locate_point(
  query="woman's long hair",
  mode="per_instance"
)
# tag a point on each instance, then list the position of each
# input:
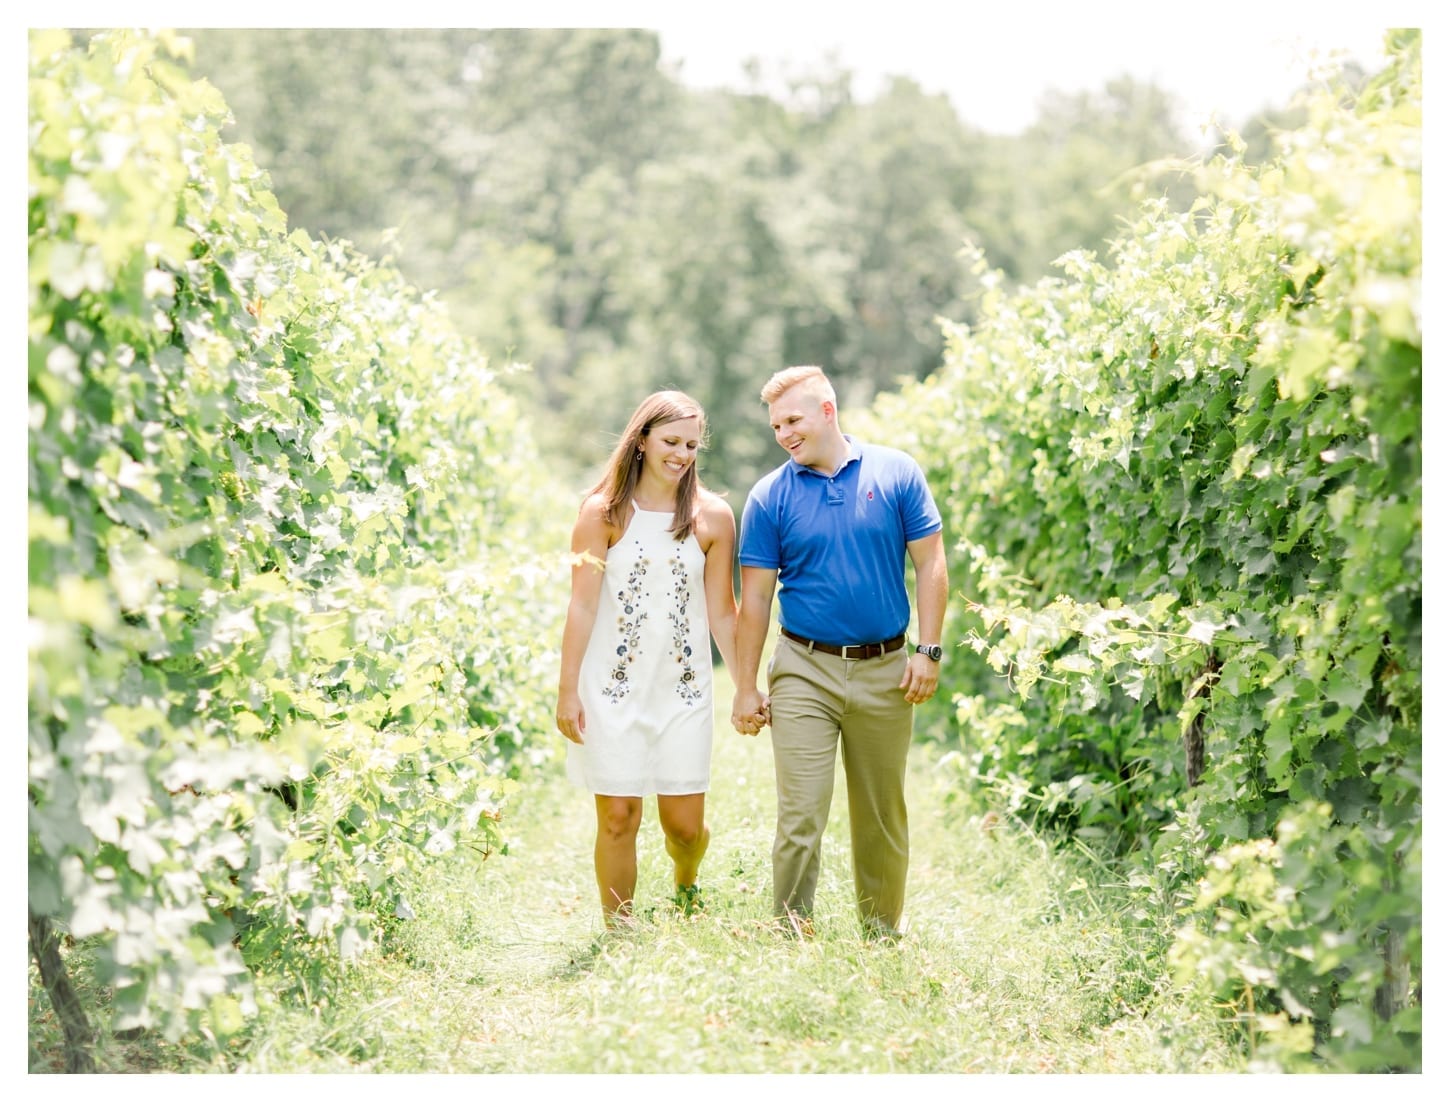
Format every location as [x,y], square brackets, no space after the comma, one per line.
[621,473]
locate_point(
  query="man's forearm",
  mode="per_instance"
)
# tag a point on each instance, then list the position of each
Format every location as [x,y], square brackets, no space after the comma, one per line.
[750,631]
[931,595]
[931,609]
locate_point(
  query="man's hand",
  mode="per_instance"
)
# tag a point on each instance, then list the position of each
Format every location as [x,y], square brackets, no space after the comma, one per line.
[920,679]
[750,712]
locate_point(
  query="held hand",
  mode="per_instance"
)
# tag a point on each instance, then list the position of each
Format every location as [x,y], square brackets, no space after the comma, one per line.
[569,717]
[761,718]
[919,681]
[750,712]
[758,720]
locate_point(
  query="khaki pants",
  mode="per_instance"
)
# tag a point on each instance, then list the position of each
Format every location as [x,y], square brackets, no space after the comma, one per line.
[815,700]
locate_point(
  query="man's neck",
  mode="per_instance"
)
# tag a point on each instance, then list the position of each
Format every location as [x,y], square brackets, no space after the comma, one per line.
[840,452]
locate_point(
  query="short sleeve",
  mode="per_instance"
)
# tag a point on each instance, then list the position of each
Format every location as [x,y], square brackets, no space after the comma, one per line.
[919,514]
[759,534]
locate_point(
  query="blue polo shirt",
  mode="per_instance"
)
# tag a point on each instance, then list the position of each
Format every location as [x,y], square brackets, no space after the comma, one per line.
[838,542]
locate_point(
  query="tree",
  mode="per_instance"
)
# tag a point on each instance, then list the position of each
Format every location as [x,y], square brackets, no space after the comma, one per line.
[581,212]
[885,202]
[1074,175]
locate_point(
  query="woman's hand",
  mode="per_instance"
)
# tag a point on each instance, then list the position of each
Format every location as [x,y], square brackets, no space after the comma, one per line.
[750,711]
[569,717]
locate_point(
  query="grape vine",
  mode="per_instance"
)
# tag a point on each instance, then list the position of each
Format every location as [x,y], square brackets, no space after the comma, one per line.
[285,581]
[1187,490]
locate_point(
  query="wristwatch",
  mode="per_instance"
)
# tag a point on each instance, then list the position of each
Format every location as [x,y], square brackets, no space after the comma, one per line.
[932,651]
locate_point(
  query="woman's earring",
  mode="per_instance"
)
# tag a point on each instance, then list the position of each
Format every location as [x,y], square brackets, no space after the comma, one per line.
[639,455]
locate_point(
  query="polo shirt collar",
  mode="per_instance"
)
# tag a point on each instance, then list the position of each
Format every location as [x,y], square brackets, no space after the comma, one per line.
[853,453]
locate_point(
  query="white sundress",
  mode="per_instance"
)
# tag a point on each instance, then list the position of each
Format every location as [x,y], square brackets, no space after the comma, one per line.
[645,680]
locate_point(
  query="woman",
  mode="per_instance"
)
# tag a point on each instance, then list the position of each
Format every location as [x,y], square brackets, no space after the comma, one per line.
[653,580]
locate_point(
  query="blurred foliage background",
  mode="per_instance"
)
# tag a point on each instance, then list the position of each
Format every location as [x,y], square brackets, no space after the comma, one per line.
[581,211]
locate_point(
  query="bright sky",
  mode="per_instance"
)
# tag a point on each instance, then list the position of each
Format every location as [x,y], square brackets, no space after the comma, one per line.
[994,61]
[1229,56]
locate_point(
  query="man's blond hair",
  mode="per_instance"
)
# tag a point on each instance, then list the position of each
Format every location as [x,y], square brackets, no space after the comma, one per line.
[783,380]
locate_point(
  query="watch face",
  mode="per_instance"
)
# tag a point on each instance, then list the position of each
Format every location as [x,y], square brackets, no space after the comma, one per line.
[933,652]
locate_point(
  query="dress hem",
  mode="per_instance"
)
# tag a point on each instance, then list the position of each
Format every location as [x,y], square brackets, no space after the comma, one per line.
[640,794]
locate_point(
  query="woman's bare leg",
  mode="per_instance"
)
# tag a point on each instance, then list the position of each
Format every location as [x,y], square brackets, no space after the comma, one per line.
[616,864]
[682,818]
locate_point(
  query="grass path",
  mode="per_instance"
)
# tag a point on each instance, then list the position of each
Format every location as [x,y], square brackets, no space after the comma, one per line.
[1014,960]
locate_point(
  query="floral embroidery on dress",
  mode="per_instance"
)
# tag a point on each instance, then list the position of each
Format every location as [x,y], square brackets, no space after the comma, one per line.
[630,600]
[687,687]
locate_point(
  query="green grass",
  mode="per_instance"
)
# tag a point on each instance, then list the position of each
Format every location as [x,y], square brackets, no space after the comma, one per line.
[1018,958]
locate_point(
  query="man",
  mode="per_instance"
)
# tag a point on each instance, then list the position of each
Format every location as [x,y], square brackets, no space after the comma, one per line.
[834,526]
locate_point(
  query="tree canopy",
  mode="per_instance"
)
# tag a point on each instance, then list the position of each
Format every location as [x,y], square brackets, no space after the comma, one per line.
[582,212]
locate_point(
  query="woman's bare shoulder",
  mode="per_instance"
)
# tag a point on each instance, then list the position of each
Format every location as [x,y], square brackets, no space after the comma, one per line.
[715,512]
[594,505]
[594,515]
[716,501]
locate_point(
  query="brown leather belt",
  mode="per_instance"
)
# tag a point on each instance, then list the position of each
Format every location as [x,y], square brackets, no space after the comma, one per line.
[863,650]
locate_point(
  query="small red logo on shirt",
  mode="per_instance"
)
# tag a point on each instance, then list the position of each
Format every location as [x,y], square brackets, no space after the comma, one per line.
[870,495]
